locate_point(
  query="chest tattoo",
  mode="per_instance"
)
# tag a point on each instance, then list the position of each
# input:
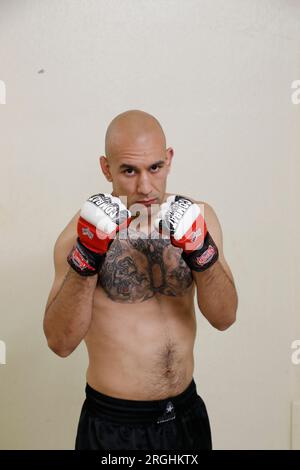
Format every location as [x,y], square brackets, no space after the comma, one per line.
[138,267]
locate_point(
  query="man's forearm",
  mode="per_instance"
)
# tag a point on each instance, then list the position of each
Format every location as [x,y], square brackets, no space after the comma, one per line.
[217,296]
[68,317]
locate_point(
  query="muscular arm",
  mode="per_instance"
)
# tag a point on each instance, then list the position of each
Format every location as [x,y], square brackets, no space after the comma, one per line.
[216,292]
[69,307]
[68,316]
[217,297]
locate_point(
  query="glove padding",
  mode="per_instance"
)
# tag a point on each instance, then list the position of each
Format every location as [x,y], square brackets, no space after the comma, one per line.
[182,220]
[101,217]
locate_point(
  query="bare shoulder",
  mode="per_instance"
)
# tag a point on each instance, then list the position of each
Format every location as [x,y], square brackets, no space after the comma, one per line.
[64,244]
[70,229]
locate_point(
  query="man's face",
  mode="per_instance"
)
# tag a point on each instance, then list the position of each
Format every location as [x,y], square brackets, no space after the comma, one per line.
[139,171]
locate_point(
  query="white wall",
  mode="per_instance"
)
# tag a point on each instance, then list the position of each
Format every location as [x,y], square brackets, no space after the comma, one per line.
[217,74]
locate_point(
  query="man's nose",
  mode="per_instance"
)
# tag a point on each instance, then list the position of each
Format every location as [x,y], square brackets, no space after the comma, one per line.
[144,185]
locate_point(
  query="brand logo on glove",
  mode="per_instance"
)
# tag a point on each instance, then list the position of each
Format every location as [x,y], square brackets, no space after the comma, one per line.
[206,256]
[177,211]
[105,203]
[80,261]
[86,231]
[196,234]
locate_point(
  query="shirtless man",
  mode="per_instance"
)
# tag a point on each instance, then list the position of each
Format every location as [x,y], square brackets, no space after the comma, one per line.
[127,289]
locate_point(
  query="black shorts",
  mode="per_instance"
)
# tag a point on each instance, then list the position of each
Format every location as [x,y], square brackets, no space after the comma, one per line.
[175,423]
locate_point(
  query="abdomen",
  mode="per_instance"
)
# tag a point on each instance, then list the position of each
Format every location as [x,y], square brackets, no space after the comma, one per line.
[141,351]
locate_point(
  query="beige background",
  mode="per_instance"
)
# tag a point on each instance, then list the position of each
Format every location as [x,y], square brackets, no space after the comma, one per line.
[218,75]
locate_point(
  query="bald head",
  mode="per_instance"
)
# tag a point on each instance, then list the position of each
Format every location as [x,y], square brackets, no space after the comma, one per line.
[132,126]
[137,161]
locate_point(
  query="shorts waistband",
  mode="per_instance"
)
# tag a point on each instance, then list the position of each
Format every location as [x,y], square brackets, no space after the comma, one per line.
[121,410]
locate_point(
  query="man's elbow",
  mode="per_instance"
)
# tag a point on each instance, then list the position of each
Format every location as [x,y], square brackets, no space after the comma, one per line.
[225,324]
[228,318]
[61,353]
[58,350]
[56,346]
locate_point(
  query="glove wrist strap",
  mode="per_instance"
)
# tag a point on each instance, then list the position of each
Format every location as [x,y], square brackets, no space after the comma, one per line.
[203,258]
[84,261]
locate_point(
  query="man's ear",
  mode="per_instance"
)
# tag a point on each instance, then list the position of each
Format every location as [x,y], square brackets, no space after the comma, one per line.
[105,168]
[170,154]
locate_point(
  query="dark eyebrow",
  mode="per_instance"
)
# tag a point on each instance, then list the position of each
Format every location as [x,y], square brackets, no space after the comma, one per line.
[128,165]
